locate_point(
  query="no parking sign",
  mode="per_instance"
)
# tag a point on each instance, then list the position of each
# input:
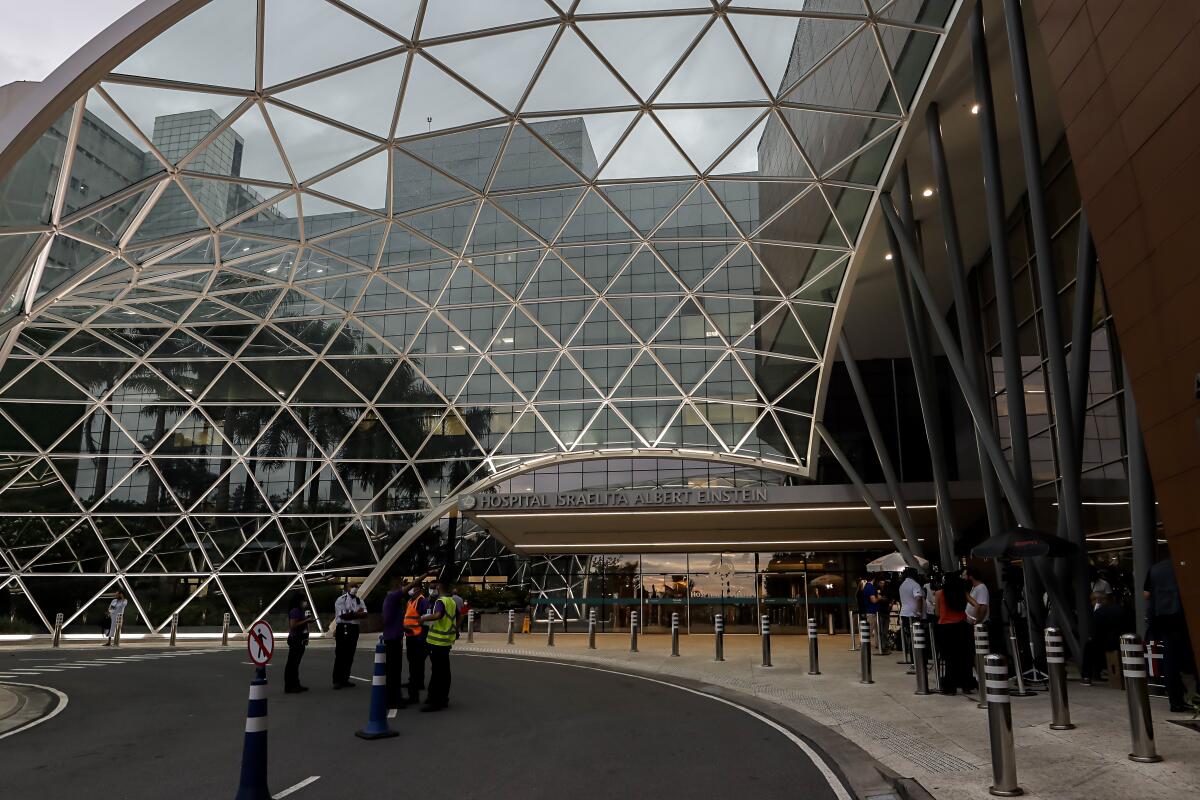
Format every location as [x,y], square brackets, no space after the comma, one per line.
[260,642]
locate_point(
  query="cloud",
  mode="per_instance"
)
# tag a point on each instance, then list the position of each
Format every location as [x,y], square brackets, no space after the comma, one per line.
[33,41]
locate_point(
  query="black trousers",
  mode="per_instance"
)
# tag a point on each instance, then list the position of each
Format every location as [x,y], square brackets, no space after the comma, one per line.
[1172,631]
[345,639]
[394,653]
[417,652]
[439,676]
[956,647]
[291,670]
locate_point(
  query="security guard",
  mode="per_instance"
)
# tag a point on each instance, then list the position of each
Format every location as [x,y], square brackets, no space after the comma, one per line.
[443,630]
[414,641]
[348,610]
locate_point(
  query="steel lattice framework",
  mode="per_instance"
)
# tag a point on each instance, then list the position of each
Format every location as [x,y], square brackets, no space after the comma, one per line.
[298,271]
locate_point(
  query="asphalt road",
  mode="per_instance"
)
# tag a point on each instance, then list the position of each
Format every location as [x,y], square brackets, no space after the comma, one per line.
[171,727]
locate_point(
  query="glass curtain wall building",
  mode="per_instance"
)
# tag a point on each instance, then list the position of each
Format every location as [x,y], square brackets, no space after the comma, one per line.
[290,276]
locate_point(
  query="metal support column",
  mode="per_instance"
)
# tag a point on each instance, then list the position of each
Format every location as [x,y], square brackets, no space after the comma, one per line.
[918,348]
[868,498]
[885,461]
[975,403]
[1060,392]
[968,326]
[1143,521]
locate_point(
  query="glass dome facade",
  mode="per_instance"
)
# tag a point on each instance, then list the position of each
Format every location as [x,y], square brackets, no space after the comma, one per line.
[296,272]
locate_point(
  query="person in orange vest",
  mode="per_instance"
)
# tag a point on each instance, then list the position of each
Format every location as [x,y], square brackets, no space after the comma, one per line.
[416,606]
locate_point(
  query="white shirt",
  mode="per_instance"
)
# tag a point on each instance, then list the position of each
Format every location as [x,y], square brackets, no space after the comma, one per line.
[347,604]
[930,601]
[116,608]
[980,595]
[910,593]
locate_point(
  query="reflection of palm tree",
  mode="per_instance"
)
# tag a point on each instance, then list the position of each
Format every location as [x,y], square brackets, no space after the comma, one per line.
[99,377]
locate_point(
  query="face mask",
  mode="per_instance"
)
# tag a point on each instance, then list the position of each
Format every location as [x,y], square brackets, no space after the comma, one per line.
[353,591]
[433,592]
[412,592]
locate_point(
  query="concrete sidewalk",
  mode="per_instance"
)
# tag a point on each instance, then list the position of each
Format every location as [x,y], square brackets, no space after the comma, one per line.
[939,741]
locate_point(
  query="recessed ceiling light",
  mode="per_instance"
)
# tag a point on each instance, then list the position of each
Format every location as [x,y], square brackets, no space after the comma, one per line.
[458,348]
[887,257]
[975,108]
[927,193]
[507,340]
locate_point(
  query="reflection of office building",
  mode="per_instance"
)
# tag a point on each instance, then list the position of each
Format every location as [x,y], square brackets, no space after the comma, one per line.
[622,276]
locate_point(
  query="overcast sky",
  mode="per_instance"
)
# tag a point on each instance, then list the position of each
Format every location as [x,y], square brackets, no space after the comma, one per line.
[37,37]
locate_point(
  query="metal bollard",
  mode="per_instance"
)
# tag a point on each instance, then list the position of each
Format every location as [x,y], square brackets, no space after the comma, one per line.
[719,638]
[919,664]
[675,634]
[937,664]
[1141,724]
[829,620]
[1022,689]
[633,631]
[174,629]
[981,653]
[592,629]
[471,626]
[225,631]
[853,630]
[120,623]
[58,622]
[1056,666]
[880,634]
[1004,760]
[512,621]
[550,629]
[814,662]
[766,640]
[864,637]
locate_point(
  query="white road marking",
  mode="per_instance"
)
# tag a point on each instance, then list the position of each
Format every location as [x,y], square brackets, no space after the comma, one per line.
[391,713]
[57,710]
[826,771]
[363,680]
[297,787]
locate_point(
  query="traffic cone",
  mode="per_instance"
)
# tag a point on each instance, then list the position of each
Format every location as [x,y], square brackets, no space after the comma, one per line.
[377,722]
[253,783]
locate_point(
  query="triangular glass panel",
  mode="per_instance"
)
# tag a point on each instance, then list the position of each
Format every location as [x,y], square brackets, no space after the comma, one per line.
[645,380]
[806,221]
[40,489]
[438,337]
[236,386]
[433,100]
[367,375]
[175,213]
[790,266]
[728,381]
[560,319]
[645,153]
[866,166]
[804,396]
[143,490]
[781,333]
[715,71]
[566,382]
[643,50]
[495,232]
[592,85]
[647,204]
[487,386]
[597,264]
[367,479]
[595,221]
[767,441]
[733,317]
[644,275]
[608,430]
[771,42]
[42,382]
[816,320]
[313,147]
[826,286]
[281,375]
[328,425]
[693,261]
[602,328]
[446,226]
[398,15]
[731,422]
[417,185]
[397,329]
[409,424]
[822,84]
[700,217]
[528,163]
[449,17]
[644,314]
[324,386]
[705,134]
[775,375]
[363,183]
[524,370]
[467,156]
[446,373]
[476,60]
[542,212]
[555,279]
[306,36]
[692,432]
[908,52]
[530,435]
[369,441]
[688,326]
[567,421]
[604,366]
[648,419]
[44,424]
[324,494]
[185,51]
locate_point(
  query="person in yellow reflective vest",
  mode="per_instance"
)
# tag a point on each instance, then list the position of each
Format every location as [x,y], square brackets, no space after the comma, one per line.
[442,630]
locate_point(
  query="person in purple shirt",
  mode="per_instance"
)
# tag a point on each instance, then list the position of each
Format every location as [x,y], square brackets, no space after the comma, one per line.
[395,605]
[297,640]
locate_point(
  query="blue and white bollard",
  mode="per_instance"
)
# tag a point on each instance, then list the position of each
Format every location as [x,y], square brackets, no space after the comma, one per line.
[377,721]
[253,783]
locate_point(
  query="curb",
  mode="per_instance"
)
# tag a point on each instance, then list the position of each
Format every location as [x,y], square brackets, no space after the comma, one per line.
[36,704]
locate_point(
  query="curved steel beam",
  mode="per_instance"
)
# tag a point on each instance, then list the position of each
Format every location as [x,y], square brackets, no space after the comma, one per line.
[483,484]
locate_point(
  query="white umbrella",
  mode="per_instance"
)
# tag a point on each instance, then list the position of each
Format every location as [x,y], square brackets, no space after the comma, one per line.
[894,562]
